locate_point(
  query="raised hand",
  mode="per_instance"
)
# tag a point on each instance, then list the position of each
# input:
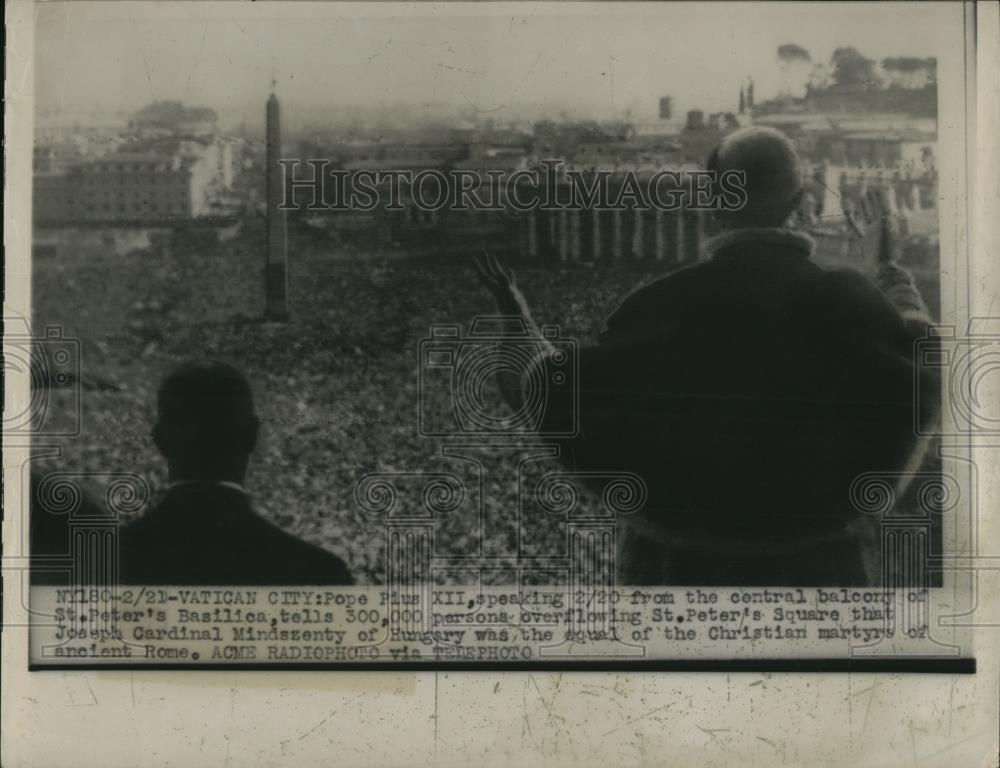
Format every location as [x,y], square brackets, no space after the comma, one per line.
[873,228]
[499,281]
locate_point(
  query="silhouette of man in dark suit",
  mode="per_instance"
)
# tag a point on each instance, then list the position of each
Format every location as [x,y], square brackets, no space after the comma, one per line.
[749,391]
[204,529]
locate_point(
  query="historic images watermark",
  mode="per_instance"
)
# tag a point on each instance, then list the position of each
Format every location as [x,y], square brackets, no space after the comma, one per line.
[316,185]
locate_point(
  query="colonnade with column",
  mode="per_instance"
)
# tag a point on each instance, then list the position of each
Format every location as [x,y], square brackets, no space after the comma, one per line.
[571,233]
[616,234]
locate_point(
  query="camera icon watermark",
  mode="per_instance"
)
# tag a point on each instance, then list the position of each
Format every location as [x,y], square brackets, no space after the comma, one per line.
[464,368]
[963,372]
[51,361]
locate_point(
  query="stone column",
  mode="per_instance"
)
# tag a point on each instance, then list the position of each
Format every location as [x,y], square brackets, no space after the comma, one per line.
[638,244]
[532,222]
[611,234]
[576,235]
[672,236]
[543,228]
[659,235]
[592,234]
[691,252]
[565,235]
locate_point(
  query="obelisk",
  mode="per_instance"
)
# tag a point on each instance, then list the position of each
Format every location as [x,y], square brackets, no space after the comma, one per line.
[276,268]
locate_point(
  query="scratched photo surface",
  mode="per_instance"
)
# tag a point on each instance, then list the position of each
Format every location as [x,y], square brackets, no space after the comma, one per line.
[250,381]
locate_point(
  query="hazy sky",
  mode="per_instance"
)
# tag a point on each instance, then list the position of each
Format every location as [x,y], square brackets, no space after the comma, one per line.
[603,58]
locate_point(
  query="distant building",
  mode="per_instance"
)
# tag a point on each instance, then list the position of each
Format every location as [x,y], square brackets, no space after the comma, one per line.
[52,124]
[666,108]
[878,127]
[53,196]
[889,149]
[876,140]
[151,182]
[174,119]
[640,153]
[494,149]
[695,120]
[722,122]
[392,155]
[54,157]
[501,157]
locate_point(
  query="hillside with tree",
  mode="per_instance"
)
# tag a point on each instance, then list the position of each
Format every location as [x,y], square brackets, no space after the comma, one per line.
[852,82]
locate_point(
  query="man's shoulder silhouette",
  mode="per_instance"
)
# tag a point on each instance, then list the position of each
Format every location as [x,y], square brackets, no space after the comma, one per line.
[760,284]
[644,310]
[762,356]
[210,534]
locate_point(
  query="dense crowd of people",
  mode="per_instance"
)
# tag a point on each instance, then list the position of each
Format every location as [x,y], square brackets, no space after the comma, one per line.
[336,387]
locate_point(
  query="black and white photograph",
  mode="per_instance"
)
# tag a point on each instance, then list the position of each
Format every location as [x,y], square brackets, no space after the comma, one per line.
[559,329]
[500,337]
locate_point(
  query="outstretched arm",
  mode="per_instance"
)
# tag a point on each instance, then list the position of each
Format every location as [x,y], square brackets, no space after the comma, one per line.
[499,281]
[875,232]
